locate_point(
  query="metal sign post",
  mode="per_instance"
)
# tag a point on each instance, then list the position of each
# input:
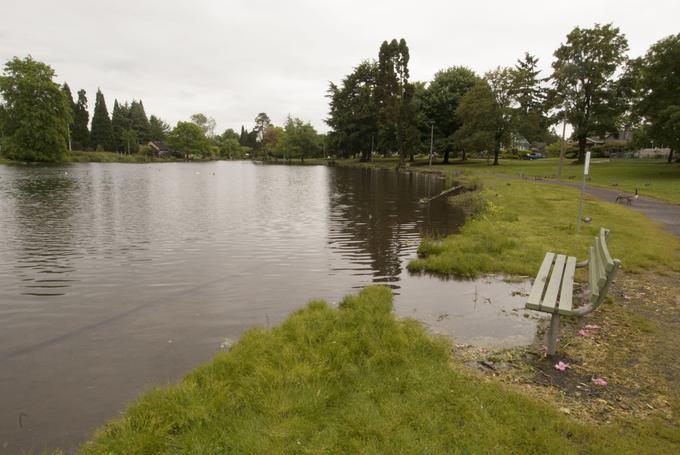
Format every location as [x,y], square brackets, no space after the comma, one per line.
[586,168]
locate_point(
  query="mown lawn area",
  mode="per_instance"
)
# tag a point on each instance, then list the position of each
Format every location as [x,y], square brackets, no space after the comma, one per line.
[354,379]
[653,178]
[518,221]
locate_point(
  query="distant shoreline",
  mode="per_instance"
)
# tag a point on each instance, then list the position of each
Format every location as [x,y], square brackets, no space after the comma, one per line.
[101,157]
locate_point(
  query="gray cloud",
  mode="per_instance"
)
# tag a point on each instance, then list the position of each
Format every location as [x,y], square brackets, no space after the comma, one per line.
[234,59]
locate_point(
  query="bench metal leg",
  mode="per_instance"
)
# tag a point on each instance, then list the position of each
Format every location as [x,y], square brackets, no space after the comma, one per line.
[553,332]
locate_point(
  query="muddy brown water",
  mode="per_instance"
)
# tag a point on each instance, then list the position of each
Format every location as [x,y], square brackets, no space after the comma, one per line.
[118,277]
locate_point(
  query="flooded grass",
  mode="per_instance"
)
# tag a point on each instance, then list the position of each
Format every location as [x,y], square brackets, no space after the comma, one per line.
[351,380]
[522,220]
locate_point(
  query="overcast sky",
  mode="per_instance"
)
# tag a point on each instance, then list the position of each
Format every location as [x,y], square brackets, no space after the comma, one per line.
[233,59]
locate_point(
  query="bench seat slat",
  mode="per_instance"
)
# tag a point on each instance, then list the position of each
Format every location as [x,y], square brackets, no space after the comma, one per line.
[567,291]
[534,300]
[549,302]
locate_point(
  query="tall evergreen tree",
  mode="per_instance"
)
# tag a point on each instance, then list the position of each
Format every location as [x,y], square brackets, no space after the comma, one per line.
[530,95]
[244,138]
[394,95]
[158,129]
[81,118]
[139,121]
[118,125]
[101,136]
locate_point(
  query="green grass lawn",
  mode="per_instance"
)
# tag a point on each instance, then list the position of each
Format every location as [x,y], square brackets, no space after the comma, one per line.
[653,178]
[354,379]
[521,220]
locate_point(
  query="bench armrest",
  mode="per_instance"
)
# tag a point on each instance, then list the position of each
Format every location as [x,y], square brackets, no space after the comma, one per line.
[582,264]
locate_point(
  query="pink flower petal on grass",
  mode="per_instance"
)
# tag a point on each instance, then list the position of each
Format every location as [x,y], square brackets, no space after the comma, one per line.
[583,333]
[599,381]
[561,366]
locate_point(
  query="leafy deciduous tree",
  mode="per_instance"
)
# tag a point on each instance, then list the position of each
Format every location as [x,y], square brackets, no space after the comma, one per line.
[441,99]
[659,97]
[486,112]
[299,140]
[34,112]
[584,80]
[207,124]
[189,138]
[353,111]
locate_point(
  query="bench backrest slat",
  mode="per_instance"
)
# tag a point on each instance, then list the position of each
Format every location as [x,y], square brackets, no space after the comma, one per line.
[601,268]
[604,250]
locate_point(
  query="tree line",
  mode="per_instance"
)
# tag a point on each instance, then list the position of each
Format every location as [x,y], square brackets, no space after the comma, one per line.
[41,121]
[594,87]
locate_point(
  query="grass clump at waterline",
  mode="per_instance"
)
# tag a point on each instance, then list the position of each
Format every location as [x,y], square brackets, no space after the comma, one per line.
[521,220]
[102,157]
[349,380]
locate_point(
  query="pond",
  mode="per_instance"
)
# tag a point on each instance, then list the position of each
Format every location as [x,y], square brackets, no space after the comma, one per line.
[118,277]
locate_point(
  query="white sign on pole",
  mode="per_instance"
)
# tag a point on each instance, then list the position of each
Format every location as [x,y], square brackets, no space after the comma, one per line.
[586,168]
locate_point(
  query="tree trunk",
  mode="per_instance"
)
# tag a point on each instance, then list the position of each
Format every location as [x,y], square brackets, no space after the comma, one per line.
[581,149]
[446,157]
[496,152]
[464,157]
[670,156]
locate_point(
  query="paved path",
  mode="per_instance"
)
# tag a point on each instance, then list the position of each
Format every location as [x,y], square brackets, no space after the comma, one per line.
[664,213]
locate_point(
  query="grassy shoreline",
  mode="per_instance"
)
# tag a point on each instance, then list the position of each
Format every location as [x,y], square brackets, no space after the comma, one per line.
[653,178]
[353,379]
[100,157]
[519,221]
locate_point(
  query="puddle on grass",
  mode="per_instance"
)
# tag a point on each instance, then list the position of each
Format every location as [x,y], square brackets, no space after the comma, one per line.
[487,312]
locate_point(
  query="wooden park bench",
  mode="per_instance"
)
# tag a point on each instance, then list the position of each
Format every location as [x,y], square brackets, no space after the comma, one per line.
[553,287]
